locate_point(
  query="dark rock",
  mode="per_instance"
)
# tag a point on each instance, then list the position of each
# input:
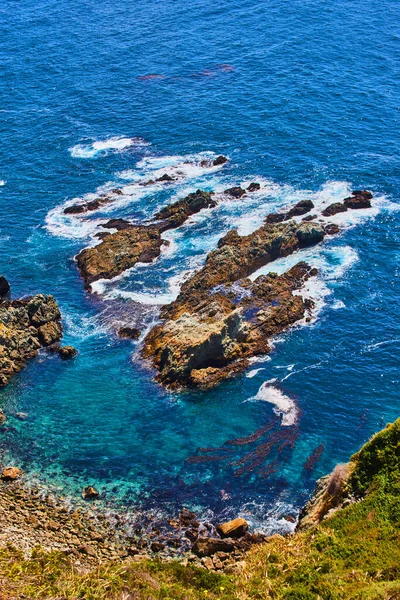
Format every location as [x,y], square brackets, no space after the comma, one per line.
[364,193]
[192,534]
[129,332]
[310,233]
[118,224]
[254,187]
[187,517]
[220,160]
[333,209]
[207,546]
[360,200]
[75,209]
[309,218]
[331,229]
[67,352]
[235,192]
[90,493]
[165,177]
[4,287]
[301,208]
[157,546]
[275,218]
[177,213]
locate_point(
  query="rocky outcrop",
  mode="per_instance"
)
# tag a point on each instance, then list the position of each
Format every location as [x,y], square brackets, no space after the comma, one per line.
[219,320]
[131,333]
[67,352]
[301,208]
[118,252]
[131,244]
[11,474]
[25,326]
[174,215]
[358,199]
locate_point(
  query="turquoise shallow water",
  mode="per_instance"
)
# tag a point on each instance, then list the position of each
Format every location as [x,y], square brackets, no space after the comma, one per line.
[304,100]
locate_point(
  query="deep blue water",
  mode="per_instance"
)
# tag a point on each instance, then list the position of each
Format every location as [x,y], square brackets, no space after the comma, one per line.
[302,96]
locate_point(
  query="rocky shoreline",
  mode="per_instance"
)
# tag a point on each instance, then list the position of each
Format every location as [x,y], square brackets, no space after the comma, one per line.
[31,517]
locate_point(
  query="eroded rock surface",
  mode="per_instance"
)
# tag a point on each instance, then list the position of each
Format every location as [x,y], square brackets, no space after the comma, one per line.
[25,326]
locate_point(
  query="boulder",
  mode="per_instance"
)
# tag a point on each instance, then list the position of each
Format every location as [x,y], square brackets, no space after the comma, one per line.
[310,233]
[331,229]
[131,333]
[235,192]
[235,529]
[90,493]
[117,224]
[187,517]
[11,474]
[333,209]
[253,187]
[67,352]
[207,546]
[4,287]
[358,199]
[2,417]
[50,332]
[301,208]
[165,177]
[220,160]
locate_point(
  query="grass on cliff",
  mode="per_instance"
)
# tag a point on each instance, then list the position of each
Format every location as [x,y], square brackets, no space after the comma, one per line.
[353,555]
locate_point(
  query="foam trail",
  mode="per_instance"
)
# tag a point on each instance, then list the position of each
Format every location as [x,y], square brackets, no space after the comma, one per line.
[253,372]
[103,147]
[283,405]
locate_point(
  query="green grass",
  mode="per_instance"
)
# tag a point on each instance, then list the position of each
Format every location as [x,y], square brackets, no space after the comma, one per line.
[353,555]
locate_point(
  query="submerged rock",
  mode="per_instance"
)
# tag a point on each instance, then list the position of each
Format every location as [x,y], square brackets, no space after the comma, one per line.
[236,528]
[25,326]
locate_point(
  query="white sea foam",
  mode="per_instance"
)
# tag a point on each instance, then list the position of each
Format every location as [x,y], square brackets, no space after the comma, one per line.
[254,372]
[101,147]
[283,405]
[2,182]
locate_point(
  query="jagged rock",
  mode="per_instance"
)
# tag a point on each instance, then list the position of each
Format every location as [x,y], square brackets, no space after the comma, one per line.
[275,218]
[235,192]
[176,214]
[11,474]
[117,224]
[215,324]
[131,244]
[220,160]
[309,234]
[26,325]
[129,332]
[207,546]
[4,287]
[67,352]
[165,177]
[118,252]
[90,493]
[331,229]
[187,517]
[236,528]
[358,199]
[301,208]
[50,332]
[253,187]
[333,209]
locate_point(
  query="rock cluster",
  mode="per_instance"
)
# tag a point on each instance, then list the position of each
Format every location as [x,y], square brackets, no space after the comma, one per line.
[221,318]
[26,325]
[358,199]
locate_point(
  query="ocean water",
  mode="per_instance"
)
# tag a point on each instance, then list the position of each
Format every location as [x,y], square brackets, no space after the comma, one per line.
[303,98]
